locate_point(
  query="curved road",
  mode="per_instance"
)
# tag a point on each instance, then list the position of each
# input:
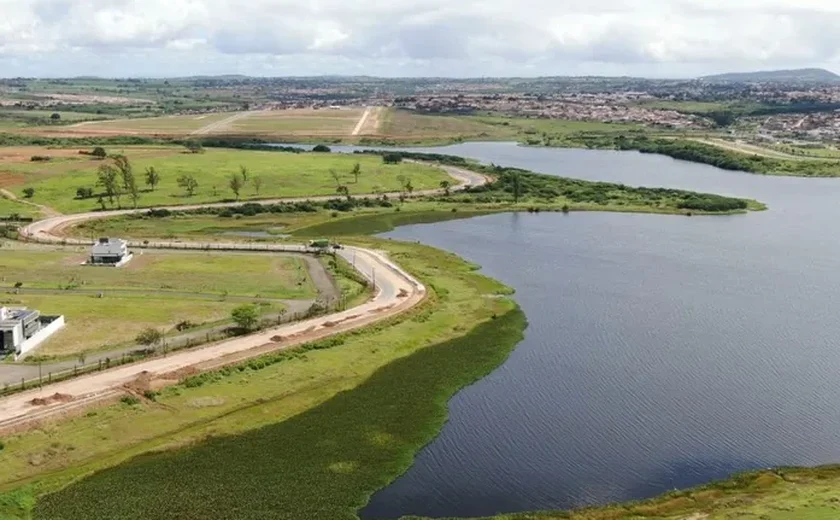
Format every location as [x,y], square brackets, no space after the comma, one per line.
[396,291]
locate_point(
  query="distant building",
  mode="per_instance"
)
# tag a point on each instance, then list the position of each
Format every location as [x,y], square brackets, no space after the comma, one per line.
[22,329]
[110,251]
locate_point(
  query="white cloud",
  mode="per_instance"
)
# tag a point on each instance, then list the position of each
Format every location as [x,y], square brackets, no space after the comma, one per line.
[414,37]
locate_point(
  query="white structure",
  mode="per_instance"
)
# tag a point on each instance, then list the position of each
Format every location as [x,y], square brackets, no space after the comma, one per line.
[110,251]
[22,330]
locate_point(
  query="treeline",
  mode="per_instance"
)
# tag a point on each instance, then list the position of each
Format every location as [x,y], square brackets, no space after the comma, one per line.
[251,209]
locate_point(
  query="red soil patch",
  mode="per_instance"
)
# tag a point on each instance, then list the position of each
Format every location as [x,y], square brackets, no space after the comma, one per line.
[55,398]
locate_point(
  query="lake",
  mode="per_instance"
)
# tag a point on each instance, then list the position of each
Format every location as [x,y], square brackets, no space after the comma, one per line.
[662,351]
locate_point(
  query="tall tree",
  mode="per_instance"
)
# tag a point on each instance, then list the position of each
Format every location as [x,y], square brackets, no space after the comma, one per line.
[129,183]
[344,190]
[235,184]
[445,185]
[257,182]
[243,171]
[107,176]
[189,184]
[356,171]
[152,177]
[517,187]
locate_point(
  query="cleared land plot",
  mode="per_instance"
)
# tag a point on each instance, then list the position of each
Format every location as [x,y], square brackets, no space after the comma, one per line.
[95,323]
[169,125]
[159,272]
[296,122]
[281,175]
[406,125]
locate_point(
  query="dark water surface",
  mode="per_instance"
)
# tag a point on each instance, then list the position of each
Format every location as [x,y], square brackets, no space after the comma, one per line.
[662,351]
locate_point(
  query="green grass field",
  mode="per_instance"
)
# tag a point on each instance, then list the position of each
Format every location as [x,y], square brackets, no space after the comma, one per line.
[97,323]
[10,207]
[282,175]
[156,289]
[214,273]
[266,393]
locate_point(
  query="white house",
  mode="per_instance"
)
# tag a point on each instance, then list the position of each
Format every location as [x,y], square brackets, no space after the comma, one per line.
[110,251]
[22,329]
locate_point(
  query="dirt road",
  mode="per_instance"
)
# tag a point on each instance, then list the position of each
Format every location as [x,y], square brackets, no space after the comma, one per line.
[223,124]
[362,121]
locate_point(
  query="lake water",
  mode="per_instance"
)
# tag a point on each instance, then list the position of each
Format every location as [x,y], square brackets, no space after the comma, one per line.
[662,351]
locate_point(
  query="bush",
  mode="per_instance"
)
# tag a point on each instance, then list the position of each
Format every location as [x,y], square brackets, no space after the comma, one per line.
[40,158]
[129,400]
[321,148]
[84,193]
[29,192]
[99,152]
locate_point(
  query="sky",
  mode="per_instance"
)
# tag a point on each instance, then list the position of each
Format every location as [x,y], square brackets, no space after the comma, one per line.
[402,38]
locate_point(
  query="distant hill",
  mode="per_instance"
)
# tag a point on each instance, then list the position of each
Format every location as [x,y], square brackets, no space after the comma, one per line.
[779,76]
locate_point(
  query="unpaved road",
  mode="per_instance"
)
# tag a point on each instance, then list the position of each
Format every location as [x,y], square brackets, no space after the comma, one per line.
[224,123]
[362,121]
[45,210]
[396,291]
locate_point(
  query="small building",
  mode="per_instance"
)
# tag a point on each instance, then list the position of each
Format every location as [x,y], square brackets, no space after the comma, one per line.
[110,251]
[22,329]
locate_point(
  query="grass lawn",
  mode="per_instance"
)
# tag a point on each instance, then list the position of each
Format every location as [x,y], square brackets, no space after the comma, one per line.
[216,273]
[10,207]
[355,434]
[282,175]
[93,323]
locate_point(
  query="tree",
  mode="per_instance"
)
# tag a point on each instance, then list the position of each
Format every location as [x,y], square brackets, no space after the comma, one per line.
[194,147]
[246,316]
[84,193]
[321,148]
[445,185]
[257,182]
[107,179]
[408,186]
[336,177]
[243,171]
[129,183]
[189,184]
[235,184]
[149,337]
[28,192]
[517,187]
[392,158]
[152,177]
[55,116]
[99,152]
[101,202]
[356,171]
[344,190]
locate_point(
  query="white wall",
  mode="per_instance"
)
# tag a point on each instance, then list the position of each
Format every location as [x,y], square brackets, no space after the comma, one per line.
[35,341]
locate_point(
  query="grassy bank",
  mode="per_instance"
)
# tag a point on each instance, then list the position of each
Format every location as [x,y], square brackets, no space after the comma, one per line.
[780,494]
[263,393]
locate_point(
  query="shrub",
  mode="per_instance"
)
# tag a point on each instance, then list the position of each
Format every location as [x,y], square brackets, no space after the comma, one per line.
[129,400]
[40,158]
[99,152]
[321,148]
[29,192]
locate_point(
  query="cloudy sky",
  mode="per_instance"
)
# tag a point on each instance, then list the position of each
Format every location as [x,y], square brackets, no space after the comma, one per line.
[657,38]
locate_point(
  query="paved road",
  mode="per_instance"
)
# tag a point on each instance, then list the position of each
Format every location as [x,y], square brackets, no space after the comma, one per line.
[396,291]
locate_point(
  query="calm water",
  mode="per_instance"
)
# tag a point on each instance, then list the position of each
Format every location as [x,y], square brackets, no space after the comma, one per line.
[662,351]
